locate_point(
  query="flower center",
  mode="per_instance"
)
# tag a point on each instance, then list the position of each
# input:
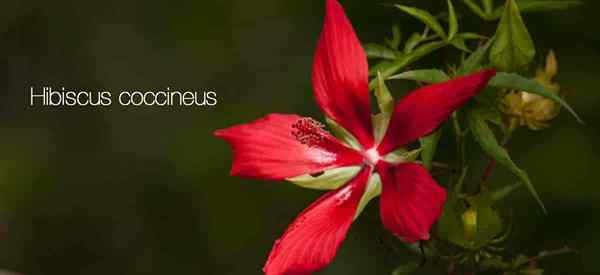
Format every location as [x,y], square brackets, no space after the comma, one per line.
[372,156]
[309,132]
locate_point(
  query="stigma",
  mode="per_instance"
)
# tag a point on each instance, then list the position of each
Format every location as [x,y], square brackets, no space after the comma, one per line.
[372,157]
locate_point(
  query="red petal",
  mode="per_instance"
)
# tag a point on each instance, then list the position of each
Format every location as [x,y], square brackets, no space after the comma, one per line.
[340,75]
[312,240]
[424,109]
[411,201]
[267,149]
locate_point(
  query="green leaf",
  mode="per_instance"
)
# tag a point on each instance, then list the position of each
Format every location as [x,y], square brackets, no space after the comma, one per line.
[460,44]
[486,139]
[389,68]
[379,51]
[470,36]
[475,8]
[488,6]
[539,5]
[501,193]
[452,21]
[329,180]
[514,81]
[513,47]
[429,145]
[475,60]
[427,76]
[425,17]
[385,101]
[412,42]
[373,190]
[342,134]
[406,269]
[394,43]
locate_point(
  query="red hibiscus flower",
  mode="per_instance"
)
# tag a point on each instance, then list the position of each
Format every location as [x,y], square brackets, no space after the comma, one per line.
[282,146]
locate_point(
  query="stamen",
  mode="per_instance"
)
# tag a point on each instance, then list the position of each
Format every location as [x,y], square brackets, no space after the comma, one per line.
[309,132]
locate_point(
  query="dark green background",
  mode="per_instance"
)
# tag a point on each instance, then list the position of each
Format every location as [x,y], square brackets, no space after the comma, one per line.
[146,190]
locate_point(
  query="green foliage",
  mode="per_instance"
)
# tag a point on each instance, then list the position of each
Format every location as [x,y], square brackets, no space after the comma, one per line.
[539,5]
[452,21]
[425,17]
[476,59]
[427,76]
[513,47]
[429,145]
[486,139]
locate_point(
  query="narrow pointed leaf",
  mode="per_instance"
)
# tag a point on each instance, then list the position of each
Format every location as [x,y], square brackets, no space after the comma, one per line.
[412,42]
[516,82]
[328,180]
[539,5]
[460,44]
[513,47]
[425,17]
[391,68]
[427,76]
[452,21]
[486,139]
[394,43]
[475,8]
[379,51]
[488,7]
[475,61]
[470,36]
[429,145]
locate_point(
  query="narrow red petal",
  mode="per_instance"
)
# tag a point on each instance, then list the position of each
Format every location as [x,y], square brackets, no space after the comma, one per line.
[340,75]
[411,201]
[312,240]
[424,109]
[267,149]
